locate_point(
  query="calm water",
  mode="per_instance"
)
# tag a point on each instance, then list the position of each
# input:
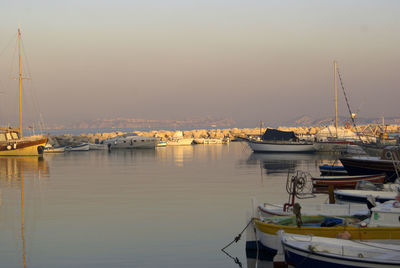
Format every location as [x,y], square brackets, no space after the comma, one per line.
[169,207]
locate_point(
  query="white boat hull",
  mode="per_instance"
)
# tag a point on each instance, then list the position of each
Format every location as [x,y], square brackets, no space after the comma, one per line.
[265,147]
[314,251]
[78,148]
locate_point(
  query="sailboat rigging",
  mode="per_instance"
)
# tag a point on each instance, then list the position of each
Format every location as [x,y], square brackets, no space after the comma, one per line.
[12,141]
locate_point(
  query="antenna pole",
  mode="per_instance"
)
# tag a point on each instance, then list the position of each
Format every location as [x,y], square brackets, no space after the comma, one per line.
[20,82]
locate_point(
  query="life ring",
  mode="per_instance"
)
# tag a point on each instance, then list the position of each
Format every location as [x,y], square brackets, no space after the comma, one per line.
[347,125]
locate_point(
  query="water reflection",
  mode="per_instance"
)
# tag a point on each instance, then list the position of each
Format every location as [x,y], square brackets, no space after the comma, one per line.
[176,154]
[276,163]
[12,168]
[13,171]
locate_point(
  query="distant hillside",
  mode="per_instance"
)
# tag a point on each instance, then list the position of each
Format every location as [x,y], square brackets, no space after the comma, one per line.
[135,123]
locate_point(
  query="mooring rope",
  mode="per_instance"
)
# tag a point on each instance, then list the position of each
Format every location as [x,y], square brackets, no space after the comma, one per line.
[237,238]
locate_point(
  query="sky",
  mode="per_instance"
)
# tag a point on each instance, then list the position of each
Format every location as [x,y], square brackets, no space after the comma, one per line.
[173,59]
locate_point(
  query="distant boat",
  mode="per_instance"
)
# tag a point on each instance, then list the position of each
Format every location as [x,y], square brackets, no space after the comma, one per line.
[51,149]
[12,141]
[179,140]
[161,144]
[97,146]
[276,141]
[210,141]
[79,147]
[131,141]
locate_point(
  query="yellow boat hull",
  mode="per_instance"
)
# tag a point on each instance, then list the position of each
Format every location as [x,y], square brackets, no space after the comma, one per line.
[358,233]
[24,147]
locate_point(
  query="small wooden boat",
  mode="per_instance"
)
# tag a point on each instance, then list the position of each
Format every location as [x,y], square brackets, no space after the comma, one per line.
[314,251]
[383,224]
[268,210]
[346,181]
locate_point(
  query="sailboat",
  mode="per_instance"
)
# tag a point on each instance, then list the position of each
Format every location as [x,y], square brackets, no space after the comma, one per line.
[333,143]
[12,141]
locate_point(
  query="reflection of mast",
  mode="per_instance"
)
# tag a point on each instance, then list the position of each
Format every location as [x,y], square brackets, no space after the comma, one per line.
[23,219]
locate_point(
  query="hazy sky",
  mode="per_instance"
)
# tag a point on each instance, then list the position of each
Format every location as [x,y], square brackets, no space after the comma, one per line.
[247,60]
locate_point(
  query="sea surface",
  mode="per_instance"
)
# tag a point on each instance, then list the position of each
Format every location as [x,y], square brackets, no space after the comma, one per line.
[168,207]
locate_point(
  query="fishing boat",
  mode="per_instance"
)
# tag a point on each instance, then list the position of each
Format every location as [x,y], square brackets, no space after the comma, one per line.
[314,251]
[383,224]
[131,141]
[346,181]
[276,141]
[366,165]
[12,141]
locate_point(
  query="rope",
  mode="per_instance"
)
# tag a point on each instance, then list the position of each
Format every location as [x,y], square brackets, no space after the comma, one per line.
[348,105]
[235,259]
[237,238]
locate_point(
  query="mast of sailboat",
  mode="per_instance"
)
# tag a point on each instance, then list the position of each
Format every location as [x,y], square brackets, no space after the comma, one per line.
[20,82]
[336,112]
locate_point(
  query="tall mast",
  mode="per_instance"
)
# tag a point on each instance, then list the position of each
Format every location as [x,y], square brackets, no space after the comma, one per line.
[20,82]
[336,113]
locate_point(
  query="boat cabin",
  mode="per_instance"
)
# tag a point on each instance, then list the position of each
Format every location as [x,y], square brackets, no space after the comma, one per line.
[9,134]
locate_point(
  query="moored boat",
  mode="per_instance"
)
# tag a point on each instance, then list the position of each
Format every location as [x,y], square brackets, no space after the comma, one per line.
[366,165]
[361,196]
[268,210]
[131,141]
[12,142]
[97,146]
[79,147]
[275,140]
[50,149]
[332,170]
[383,224]
[314,251]
[346,181]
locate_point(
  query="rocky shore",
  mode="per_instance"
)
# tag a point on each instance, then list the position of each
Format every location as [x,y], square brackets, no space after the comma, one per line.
[232,133]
